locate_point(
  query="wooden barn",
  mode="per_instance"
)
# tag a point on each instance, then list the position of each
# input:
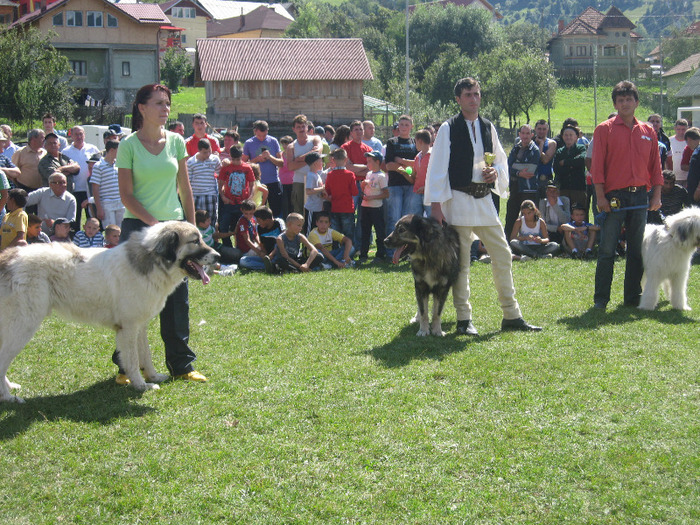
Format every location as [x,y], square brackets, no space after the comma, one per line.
[277,78]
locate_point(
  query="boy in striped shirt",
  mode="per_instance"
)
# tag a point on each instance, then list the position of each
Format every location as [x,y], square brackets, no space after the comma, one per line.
[203,170]
[104,183]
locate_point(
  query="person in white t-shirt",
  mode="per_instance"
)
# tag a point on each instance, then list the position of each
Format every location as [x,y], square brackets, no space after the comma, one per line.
[678,144]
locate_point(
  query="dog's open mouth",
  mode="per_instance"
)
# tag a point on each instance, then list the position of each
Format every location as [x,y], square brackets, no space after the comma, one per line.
[195,270]
[400,253]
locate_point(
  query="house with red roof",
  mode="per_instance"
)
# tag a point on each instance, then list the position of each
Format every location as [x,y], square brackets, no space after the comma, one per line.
[112,48]
[593,39]
[278,78]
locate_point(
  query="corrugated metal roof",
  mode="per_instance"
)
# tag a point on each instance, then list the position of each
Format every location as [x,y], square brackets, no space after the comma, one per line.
[236,59]
[222,9]
[691,88]
[144,13]
[689,64]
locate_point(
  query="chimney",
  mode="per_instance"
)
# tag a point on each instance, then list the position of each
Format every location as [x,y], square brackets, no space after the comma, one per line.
[561,25]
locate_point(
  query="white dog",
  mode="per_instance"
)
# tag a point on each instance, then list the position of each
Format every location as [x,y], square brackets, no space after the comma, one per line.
[666,252]
[122,288]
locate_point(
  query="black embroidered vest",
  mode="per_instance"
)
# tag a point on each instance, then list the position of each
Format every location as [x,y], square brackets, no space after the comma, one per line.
[461,150]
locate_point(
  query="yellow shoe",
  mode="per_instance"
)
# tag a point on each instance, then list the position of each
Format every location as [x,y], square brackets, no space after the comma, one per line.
[121,379]
[193,376]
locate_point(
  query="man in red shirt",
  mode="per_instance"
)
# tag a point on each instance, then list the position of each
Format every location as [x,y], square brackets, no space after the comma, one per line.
[357,163]
[199,123]
[625,165]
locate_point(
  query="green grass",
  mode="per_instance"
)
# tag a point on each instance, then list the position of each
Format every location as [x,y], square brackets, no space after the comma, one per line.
[189,100]
[324,407]
[580,104]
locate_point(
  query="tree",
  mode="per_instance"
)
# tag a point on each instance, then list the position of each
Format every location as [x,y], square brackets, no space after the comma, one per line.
[472,31]
[515,79]
[678,47]
[35,76]
[440,77]
[175,66]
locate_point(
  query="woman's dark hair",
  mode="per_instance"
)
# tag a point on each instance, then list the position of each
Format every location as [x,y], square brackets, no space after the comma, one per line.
[342,135]
[143,95]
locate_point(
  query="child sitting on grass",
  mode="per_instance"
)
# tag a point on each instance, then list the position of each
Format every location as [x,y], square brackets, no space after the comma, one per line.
[289,245]
[324,238]
[91,236]
[529,237]
[112,234]
[34,233]
[15,222]
[579,235]
[210,236]
[269,228]
[247,239]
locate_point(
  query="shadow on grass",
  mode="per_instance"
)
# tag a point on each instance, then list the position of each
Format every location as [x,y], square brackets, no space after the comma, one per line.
[593,317]
[100,403]
[407,346]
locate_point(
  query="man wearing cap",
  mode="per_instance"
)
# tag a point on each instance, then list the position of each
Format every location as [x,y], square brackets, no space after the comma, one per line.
[55,161]
[27,160]
[53,202]
[49,123]
[10,147]
[458,189]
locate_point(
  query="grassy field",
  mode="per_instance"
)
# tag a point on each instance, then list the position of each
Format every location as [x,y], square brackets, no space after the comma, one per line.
[189,100]
[324,407]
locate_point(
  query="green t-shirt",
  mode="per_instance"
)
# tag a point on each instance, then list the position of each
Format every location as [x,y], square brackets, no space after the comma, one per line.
[154,176]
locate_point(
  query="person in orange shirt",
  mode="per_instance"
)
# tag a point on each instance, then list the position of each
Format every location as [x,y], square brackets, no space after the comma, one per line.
[624,167]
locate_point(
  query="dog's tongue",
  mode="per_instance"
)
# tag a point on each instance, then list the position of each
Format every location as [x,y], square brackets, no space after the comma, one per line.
[397,254]
[202,273]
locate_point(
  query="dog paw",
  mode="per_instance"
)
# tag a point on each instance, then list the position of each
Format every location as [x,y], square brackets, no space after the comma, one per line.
[438,333]
[647,307]
[152,386]
[157,378]
[12,399]
[13,386]
[422,333]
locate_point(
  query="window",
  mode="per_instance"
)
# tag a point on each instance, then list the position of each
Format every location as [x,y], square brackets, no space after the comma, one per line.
[74,18]
[183,12]
[94,18]
[58,19]
[126,69]
[580,51]
[79,67]
[609,51]
[183,38]
[112,21]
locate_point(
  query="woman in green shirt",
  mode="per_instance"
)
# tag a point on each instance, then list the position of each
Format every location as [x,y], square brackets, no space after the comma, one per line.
[154,187]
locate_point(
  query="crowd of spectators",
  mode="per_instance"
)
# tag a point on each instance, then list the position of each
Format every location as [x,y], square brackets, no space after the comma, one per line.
[343,185]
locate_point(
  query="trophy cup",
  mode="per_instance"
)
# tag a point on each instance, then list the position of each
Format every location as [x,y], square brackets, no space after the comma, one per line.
[489,158]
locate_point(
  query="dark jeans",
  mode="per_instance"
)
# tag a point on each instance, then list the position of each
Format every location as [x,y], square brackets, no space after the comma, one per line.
[228,217]
[372,217]
[344,223]
[274,198]
[80,196]
[174,319]
[634,222]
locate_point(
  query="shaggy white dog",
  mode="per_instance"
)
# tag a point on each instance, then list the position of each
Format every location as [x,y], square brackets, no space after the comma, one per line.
[122,288]
[666,252]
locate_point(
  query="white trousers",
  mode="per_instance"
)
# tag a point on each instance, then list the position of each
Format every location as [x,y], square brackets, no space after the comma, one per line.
[501,265]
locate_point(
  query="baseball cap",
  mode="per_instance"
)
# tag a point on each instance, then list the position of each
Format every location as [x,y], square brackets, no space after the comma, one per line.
[312,157]
[375,155]
[61,220]
[116,128]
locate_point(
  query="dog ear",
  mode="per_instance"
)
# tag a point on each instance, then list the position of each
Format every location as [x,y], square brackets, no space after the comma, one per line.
[167,246]
[682,232]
